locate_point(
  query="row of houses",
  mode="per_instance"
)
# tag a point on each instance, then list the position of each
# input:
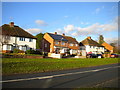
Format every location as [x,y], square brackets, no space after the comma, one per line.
[12,36]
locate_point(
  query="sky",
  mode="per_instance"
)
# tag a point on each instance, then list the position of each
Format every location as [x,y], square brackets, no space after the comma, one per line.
[75,19]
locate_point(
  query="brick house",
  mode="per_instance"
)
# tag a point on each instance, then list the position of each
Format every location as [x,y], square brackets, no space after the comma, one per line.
[61,43]
[45,47]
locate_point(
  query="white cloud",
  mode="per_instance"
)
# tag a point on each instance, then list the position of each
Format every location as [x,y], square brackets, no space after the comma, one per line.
[69,28]
[41,23]
[34,30]
[97,10]
[66,16]
[94,29]
[111,40]
[59,31]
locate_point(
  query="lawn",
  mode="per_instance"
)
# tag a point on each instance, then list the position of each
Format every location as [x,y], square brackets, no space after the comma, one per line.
[24,65]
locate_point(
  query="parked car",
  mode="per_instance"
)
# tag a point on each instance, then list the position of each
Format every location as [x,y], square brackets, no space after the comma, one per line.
[114,56]
[91,55]
[99,56]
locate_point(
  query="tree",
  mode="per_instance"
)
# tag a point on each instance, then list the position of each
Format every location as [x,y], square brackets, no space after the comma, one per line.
[39,40]
[101,39]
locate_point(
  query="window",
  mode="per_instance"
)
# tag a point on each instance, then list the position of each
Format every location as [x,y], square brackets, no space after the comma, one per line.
[71,44]
[8,47]
[56,42]
[30,40]
[63,43]
[76,44]
[22,39]
[24,48]
[45,45]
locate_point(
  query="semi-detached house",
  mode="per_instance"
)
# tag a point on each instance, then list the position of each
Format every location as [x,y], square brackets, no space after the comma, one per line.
[90,46]
[13,36]
[61,43]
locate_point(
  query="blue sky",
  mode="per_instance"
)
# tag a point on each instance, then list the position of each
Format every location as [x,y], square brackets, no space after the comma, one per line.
[76,19]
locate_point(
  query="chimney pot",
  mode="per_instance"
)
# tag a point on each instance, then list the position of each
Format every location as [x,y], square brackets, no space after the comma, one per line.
[63,34]
[89,37]
[11,24]
[55,32]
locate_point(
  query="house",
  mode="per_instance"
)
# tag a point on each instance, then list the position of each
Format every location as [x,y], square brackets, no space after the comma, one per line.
[61,43]
[88,45]
[45,47]
[108,47]
[13,36]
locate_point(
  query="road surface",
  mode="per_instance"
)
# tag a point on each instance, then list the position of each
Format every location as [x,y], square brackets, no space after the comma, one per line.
[98,76]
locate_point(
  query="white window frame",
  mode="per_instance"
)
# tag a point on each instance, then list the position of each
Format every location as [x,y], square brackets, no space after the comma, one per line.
[8,47]
[56,42]
[21,39]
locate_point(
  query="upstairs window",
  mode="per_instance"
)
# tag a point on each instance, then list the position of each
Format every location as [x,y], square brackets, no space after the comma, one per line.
[22,39]
[76,44]
[56,42]
[71,44]
[45,45]
[63,43]
[30,40]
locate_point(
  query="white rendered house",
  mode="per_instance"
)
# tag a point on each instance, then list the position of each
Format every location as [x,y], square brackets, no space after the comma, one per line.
[13,36]
[90,46]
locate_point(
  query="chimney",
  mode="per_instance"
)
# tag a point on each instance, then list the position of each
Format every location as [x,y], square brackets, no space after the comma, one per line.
[55,33]
[11,24]
[63,34]
[89,37]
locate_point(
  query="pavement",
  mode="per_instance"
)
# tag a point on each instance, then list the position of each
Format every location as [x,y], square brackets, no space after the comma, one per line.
[90,77]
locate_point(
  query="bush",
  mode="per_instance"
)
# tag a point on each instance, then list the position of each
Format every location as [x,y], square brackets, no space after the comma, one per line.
[30,52]
[16,50]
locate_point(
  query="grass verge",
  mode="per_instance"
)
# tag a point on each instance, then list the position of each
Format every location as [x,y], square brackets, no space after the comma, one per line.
[23,65]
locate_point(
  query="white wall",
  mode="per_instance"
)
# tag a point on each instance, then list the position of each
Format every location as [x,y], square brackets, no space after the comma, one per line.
[18,42]
[94,49]
[26,42]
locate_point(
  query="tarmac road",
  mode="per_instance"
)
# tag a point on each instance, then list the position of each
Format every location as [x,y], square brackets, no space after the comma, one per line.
[98,76]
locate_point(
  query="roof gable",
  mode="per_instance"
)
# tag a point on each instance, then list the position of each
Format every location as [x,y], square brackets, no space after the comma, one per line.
[90,42]
[15,31]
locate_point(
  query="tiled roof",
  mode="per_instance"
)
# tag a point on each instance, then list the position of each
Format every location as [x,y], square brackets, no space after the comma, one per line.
[15,31]
[70,39]
[90,42]
[107,46]
[57,37]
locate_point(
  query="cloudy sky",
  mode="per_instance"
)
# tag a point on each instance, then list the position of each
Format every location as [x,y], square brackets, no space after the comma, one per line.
[76,19]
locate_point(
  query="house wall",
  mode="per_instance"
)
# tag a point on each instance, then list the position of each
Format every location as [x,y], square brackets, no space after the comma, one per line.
[53,43]
[26,42]
[94,50]
[50,40]
[18,42]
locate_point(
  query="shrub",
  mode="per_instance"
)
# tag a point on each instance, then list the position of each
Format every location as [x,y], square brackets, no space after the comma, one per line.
[30,52]
[16,50]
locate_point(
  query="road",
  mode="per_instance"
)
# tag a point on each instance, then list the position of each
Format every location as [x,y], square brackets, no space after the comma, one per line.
[98,76]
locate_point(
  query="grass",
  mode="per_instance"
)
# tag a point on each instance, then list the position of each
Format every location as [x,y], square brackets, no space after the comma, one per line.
[23,65]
